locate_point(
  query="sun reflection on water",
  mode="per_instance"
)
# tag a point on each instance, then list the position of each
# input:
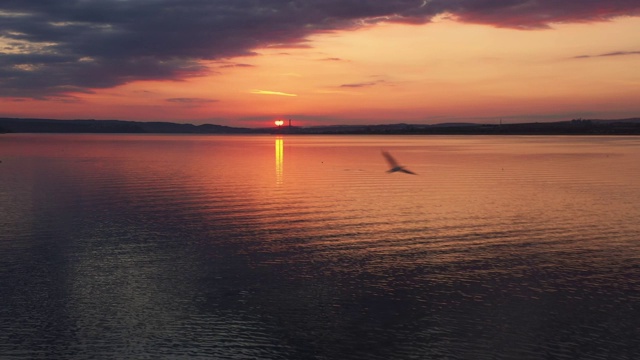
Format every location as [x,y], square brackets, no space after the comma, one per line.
[279,159]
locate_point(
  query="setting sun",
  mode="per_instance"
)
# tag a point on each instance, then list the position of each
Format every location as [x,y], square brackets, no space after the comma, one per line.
[279,122]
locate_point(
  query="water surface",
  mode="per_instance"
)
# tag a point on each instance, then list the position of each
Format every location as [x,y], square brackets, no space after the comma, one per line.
[303,247]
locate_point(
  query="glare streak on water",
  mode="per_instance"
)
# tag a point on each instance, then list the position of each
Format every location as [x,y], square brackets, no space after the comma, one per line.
[205,247]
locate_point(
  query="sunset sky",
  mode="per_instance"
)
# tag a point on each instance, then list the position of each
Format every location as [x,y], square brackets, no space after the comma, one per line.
[320,62]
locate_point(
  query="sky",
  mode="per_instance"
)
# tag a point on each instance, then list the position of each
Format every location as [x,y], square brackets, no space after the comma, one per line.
[320,62]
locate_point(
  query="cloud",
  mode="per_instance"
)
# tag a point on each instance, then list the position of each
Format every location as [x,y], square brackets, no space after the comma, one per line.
[268,92]
[236,65]
[358,85]
[616,53]
[191,101]
[69,46]
[363,84]
[539,14]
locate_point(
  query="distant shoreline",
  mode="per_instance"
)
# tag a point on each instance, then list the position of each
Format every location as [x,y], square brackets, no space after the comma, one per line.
[629,126]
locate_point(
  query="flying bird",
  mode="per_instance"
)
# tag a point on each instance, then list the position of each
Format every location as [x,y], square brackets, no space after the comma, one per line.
[394,164]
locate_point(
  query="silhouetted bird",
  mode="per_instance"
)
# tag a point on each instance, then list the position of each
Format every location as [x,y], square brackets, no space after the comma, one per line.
[394,164]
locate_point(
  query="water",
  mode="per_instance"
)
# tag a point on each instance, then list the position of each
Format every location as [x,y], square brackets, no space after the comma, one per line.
[303,247]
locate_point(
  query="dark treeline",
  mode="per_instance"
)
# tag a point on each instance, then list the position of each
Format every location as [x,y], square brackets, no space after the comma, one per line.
[572,127]
[111,126]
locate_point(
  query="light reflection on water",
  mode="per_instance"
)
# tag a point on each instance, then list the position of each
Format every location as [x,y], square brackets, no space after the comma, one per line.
[279,160]
[131,246]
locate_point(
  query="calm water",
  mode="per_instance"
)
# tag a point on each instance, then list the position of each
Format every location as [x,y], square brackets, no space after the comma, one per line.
[265,247]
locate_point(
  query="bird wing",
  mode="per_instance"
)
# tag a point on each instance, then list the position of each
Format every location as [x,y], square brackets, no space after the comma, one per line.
[392,162]
[408,171]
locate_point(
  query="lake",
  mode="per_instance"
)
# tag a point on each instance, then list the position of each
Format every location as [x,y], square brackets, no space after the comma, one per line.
[304,247]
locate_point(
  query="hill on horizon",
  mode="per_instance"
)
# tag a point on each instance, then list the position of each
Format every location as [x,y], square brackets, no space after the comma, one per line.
[576,126]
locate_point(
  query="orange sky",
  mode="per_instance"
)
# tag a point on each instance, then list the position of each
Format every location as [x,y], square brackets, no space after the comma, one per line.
[444,71]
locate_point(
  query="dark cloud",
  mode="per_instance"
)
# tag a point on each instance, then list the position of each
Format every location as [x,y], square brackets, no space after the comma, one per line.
[191,101]
[539,14]
[360,85]
[615,53]
[238,65]
[66,46]
[619,53]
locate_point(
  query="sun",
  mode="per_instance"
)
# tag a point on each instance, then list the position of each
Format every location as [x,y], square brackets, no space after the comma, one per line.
[279,122]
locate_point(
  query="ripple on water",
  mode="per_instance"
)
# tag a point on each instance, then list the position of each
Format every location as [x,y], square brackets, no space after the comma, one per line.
[502,248]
